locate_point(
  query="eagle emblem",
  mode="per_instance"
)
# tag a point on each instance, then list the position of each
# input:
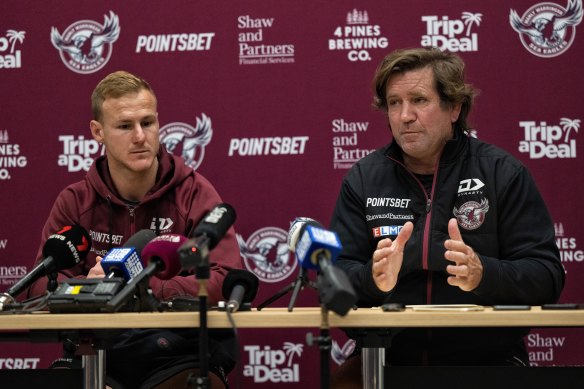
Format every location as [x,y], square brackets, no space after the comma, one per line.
[85,46]
[547,29]
[471,215]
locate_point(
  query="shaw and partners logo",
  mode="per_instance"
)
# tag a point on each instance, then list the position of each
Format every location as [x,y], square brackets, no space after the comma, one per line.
[187,141]
[541,348]
[549,141]
[253,47]
[266,254]
[273,365]
[547,29]
[86,46]
[9,57]
[452,34]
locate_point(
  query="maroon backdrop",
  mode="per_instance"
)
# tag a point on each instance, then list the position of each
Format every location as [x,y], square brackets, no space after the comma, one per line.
[272,102]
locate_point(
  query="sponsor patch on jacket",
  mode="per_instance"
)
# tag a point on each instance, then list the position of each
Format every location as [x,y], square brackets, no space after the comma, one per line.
[471,215]
[386,231]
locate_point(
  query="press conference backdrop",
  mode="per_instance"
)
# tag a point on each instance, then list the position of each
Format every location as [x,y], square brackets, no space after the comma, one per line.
[271,100]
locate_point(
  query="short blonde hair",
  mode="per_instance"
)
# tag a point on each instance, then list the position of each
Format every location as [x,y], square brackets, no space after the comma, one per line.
[115,85]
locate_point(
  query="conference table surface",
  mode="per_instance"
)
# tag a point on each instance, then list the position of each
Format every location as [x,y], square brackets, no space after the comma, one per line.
[301,317]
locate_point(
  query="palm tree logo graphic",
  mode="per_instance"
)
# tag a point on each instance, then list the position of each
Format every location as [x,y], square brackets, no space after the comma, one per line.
[469,19]
[569,125]
[292,349]
[13,37]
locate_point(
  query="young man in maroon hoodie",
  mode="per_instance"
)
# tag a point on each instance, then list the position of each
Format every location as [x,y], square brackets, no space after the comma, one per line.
[139,185]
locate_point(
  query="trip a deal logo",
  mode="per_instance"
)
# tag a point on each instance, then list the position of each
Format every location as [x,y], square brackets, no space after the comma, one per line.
[548,140]
[86,46]
[547,29]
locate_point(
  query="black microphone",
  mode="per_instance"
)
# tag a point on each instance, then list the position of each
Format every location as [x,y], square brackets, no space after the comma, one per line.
[239,287]
[208,233]
[62,250]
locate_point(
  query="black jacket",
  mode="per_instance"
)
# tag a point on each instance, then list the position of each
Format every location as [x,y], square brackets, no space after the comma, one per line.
[500,214]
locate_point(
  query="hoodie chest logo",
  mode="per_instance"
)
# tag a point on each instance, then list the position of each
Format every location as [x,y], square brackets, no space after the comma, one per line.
[164,224]
[471,215]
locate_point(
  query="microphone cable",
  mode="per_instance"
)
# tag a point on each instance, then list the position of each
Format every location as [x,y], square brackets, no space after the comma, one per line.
[31,305]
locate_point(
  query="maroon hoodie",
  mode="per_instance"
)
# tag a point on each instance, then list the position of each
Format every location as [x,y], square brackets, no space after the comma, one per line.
[180,198]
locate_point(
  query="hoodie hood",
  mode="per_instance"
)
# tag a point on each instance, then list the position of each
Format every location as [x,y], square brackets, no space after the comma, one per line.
[171,173]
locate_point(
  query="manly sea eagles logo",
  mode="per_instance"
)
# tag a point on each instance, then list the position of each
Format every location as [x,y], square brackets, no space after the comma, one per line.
[471,214]
[86,46]
[188,141]
[266,254]
[547,29]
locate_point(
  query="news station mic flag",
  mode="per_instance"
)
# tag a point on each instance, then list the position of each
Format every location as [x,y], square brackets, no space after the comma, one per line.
[317,248]
[125,262]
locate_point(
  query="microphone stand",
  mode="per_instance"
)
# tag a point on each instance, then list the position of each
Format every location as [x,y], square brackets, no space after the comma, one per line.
[202,380]
[301,281]
[52,284]
[325,343]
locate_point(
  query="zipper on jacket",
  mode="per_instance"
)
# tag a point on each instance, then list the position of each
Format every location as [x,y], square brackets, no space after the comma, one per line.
[132,220]
[428,218]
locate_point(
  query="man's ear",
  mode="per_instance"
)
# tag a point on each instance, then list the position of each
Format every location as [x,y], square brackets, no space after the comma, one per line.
[96,131]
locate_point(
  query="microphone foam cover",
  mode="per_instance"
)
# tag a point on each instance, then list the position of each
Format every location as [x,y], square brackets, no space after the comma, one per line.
[243,277]
[139,240]
[297,227]
[216,223]
[164,248]
[68,246]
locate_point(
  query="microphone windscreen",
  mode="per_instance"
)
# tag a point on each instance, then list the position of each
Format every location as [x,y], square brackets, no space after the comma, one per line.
[242,277]
[68,246]
[164,248]
[216,223]
[139,240]
[297,228]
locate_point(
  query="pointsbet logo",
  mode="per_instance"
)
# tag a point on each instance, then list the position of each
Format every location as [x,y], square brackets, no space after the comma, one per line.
[19,363]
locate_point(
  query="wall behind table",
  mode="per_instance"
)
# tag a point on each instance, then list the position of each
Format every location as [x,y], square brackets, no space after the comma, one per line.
[281,77]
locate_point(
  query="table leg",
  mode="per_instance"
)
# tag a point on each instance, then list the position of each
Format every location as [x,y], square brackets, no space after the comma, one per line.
[94,370]
[372,366]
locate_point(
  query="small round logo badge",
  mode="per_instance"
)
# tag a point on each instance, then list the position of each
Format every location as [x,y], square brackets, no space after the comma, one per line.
[471,215]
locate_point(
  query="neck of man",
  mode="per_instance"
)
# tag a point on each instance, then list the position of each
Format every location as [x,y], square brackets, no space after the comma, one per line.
[419,166]
[134,186]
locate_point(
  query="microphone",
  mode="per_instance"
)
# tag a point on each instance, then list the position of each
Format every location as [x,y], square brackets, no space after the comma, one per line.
[62,250]
[160,258]
[162,253]
[239,287]
[124,262]
[208,233]
[317,248]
